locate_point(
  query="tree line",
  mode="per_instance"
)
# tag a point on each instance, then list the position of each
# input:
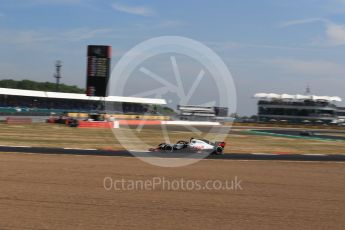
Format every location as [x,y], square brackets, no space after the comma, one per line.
[40,86]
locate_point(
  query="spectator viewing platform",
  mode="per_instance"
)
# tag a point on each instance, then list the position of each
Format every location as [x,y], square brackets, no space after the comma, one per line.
[197,113]
[17,100]
[296,98]
[297,108]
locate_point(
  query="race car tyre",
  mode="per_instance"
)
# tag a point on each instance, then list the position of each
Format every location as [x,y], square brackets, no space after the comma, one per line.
[162,146]
[168,148]
[219,150]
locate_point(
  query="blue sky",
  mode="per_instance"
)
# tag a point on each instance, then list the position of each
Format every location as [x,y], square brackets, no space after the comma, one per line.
[269,45]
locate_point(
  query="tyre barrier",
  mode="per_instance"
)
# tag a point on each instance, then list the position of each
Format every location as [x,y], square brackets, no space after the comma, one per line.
[18,120]
[116,124]
[95,124]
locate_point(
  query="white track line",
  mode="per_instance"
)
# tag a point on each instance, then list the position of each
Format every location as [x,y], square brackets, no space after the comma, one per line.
[139,151]
[12,146]
[20,146]
[311,154]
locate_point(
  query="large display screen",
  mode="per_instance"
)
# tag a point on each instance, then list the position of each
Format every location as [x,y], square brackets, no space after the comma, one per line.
[98,70]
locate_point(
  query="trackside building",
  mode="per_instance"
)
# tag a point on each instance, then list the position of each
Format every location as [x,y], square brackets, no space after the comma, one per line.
[202,113]
[41,102]
[298,108]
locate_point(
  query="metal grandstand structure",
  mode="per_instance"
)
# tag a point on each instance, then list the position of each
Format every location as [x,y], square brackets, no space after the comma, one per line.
[298,108]
[202,113]
[45,102]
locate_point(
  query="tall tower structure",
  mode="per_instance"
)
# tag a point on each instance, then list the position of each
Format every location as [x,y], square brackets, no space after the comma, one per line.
[57,75]
[307,90]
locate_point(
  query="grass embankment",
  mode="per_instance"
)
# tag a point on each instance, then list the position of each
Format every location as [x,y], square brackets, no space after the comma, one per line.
[50,135]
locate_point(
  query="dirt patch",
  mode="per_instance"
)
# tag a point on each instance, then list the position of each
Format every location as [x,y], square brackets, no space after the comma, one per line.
[66,192]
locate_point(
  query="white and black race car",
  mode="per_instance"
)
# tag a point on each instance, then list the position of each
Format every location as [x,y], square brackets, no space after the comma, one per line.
[194,145]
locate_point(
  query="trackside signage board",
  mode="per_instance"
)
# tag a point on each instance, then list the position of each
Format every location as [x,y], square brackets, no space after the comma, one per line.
[98,70]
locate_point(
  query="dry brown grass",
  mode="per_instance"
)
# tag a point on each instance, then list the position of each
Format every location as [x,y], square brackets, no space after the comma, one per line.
[50,135]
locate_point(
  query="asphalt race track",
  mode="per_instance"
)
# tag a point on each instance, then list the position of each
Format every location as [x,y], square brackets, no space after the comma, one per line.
[123,153]
[297,133]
